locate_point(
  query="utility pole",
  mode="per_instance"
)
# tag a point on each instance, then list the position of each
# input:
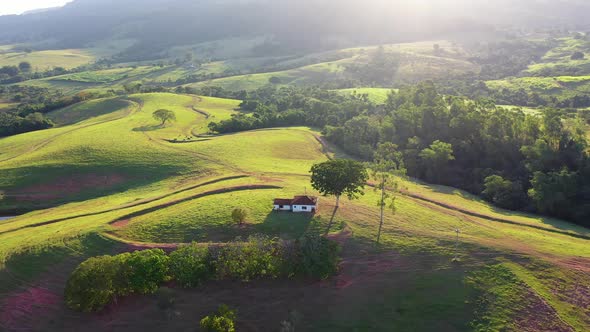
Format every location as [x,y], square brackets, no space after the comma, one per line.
[458,231]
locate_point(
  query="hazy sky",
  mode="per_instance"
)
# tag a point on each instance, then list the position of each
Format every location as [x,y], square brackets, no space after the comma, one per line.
[19,6]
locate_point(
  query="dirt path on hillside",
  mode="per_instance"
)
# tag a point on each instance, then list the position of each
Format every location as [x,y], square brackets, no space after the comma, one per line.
[134,204]
[490,218]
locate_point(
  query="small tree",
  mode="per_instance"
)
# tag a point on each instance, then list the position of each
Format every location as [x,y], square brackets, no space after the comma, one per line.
[164,116]
[387,166]
[25,67]
[578,56]
[239,215]
[222,321]
[338,177]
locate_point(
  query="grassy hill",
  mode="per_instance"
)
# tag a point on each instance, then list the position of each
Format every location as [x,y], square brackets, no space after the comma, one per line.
[561,86]
[109,178]
[415,62]
[558,60]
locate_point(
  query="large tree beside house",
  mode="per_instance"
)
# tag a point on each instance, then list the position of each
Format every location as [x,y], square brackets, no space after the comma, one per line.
[339,177]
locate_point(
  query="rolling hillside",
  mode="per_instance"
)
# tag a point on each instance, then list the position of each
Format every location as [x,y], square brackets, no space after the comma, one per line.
[108,178]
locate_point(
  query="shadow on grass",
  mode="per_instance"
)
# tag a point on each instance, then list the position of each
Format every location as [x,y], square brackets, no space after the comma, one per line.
[148,128]
[27,267]
[48,186]
[285,225]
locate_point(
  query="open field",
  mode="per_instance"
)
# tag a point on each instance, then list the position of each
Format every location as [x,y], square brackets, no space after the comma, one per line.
[109,178]
[376,95]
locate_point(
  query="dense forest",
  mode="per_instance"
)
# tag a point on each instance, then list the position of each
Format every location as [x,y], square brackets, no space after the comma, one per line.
[517,161]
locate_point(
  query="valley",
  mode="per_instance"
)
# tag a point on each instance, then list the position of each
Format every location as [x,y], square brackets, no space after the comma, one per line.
[149,140]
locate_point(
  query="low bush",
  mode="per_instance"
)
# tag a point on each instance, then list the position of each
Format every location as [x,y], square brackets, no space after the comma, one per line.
[222,321]
[93,284]
[319,257]
[191,265]
[256,258]
[145,270]
[99,280]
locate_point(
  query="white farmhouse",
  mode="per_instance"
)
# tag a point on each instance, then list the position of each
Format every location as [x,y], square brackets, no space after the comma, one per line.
[297,204]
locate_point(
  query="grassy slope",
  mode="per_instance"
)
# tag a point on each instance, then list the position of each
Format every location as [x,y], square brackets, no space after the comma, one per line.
[164,192]
[559,58]
[376,95]
[417,63]
[558,62]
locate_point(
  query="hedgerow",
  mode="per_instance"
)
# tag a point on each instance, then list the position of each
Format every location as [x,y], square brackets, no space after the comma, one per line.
[100,280]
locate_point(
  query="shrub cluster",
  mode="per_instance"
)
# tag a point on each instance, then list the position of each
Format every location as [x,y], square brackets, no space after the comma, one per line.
[100,280]
[222,321]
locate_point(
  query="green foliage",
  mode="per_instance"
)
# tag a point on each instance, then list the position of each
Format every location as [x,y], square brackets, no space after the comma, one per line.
[338,177]
[222,321]
[503,193]
[245,261]
[319,256]
[239,215]
[25,66]
[191,265]
[164,116]
[554,192]
[145,270]
[97,281]
[436,158]
[93,284]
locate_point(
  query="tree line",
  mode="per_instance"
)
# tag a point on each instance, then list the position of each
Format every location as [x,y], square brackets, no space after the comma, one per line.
[536,163]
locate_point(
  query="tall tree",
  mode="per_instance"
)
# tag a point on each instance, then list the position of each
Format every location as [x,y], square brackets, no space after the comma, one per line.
[387,168]
[339,177]
[436,158]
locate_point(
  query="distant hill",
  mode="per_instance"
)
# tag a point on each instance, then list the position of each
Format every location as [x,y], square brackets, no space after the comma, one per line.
[287,25]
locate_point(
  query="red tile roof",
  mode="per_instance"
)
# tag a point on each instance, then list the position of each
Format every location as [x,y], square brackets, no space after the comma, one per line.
[298,200]
[305,200]
[283,201]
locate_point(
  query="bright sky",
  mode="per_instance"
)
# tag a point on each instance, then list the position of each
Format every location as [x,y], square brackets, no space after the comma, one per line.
[19,6]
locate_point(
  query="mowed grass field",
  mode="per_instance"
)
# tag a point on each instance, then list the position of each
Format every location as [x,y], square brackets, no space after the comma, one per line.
[110,178]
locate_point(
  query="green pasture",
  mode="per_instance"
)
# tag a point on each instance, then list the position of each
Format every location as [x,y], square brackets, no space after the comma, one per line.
[109,169]
[376,95]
